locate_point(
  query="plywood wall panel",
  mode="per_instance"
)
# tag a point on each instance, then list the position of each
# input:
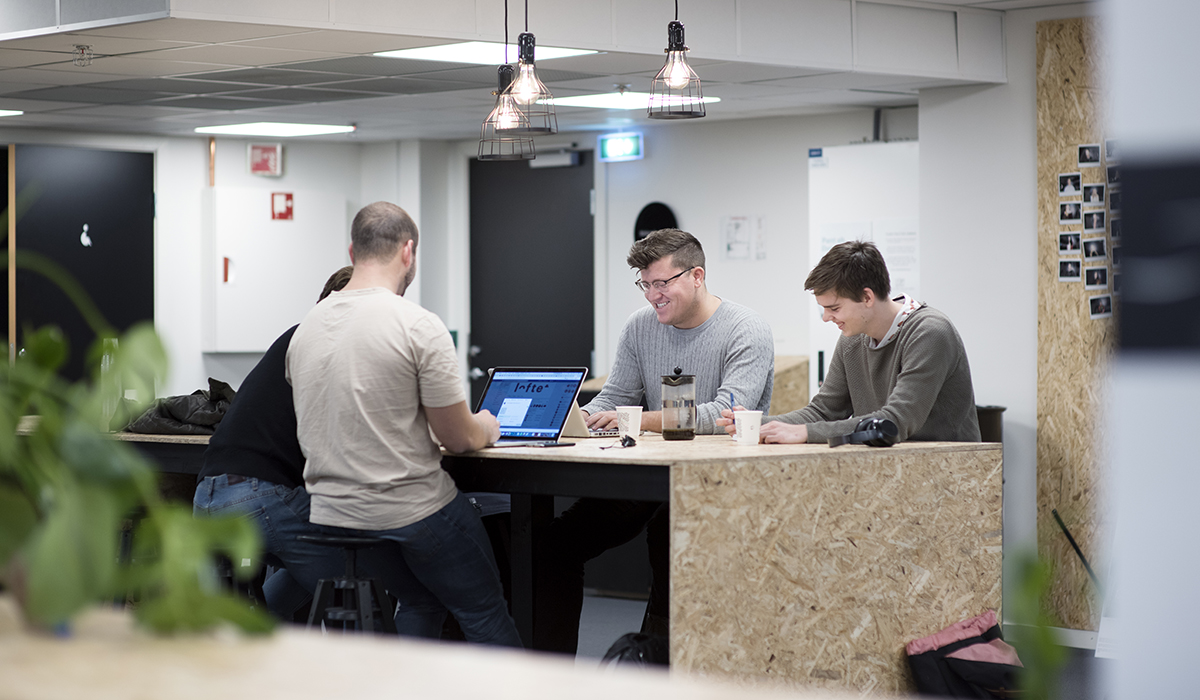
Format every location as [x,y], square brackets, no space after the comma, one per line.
[1074,350]
[816,570]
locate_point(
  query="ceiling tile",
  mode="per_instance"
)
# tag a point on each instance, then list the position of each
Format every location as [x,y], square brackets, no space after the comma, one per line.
[13,58]
[133,67]
[194,30]
[376,65]
[611,63]
[88,94]
[175,86]
[290,94]
[216,102]
[399,86]
[269,76]
[30,105]
[232,54]
[107,45]
[41,76]
[6,88]
[350,43]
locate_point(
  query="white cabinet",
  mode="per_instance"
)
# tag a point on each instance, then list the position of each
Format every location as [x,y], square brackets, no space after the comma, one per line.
[262,274]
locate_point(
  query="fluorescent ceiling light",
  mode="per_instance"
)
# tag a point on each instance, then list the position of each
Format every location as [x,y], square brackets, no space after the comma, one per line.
[10,112]
[280,129]
[616,100]
[484,53]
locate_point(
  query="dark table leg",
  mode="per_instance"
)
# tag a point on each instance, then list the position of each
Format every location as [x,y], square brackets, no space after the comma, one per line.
[530,515]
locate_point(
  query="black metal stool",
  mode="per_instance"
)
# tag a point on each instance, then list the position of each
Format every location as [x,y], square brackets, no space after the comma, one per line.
[353,601]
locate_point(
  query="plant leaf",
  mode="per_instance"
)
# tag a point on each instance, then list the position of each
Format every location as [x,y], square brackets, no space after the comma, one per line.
[72,553]
[18,517]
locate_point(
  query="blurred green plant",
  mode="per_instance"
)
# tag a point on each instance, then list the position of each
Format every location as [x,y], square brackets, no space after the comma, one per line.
[67,489]
[1032,634]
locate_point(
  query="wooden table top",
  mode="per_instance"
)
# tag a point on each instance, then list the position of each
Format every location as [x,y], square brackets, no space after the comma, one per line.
[651,448]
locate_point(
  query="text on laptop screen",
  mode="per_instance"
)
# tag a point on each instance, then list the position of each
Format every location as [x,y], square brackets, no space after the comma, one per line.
[531,404]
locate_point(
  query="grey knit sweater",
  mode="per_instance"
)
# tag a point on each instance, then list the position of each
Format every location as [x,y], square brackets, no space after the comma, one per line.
[921,381]
[732,352]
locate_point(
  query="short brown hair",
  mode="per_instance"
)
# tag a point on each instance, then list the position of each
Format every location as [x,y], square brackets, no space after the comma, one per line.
[380,230]
[684,249]
[336,281]
[849,268]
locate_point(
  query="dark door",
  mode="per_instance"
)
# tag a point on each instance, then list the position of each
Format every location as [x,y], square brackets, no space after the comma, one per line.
[92,214]
[531,266]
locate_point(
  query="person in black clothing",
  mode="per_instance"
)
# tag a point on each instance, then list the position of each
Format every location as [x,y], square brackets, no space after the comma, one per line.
[254,466]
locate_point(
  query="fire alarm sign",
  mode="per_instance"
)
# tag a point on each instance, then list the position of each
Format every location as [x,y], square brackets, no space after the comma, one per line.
[281,205]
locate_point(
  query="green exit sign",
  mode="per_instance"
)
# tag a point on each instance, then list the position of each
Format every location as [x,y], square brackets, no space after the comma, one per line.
[618,147]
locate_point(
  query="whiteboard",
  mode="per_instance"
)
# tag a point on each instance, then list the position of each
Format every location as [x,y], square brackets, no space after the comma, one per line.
[862,192]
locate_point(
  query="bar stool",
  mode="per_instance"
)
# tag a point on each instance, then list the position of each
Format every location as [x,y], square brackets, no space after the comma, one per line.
[353,601]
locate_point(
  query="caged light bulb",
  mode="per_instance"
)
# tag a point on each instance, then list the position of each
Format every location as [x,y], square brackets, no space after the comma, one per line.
[525,88]
[508,116]
[676,73]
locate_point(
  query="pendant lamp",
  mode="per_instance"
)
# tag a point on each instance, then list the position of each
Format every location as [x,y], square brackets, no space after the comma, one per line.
[505,117]
[675,91]
[530,93]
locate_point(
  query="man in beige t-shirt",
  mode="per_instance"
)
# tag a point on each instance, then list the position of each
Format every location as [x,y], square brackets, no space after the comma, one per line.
[371,374]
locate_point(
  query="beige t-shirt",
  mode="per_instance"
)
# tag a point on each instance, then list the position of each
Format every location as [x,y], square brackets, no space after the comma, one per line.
[362,366]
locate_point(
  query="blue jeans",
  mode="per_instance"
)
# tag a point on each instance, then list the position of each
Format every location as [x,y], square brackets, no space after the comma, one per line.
[281,514]
[443,562]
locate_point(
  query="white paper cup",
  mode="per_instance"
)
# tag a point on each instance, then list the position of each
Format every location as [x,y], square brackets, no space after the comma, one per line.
[747,424]
[629,420]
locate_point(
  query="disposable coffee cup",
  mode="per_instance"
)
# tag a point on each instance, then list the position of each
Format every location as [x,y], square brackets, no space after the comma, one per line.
[747,424]
[629,420]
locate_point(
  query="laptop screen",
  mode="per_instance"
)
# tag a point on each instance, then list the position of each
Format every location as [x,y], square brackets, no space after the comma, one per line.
[532,402]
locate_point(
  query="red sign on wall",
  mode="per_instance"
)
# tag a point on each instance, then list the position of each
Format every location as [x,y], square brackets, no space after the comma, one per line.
[281,205]
[265,159]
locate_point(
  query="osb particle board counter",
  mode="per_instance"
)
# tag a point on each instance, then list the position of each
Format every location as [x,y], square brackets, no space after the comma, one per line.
[801,562]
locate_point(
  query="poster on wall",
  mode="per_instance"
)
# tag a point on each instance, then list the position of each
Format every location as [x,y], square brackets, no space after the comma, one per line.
[265,159]
[743,238]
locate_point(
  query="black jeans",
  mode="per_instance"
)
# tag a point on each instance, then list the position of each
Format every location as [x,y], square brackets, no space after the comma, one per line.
[590,527]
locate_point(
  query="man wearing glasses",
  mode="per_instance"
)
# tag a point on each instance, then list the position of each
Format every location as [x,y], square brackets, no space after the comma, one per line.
[727,347]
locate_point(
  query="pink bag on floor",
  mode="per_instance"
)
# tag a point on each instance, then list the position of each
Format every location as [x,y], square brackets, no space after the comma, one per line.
[968,659]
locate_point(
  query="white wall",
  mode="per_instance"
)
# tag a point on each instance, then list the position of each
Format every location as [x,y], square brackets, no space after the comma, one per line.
[979,214]
[307,165]
[706,171]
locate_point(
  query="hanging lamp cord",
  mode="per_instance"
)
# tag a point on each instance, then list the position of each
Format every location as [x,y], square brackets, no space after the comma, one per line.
[676,10]
[506,29]
[527,14]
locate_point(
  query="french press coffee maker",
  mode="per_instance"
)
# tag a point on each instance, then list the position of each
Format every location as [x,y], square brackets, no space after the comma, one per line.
[679,406]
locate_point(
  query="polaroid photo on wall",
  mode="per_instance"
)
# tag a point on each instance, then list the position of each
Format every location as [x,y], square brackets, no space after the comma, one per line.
[1110,150]
[1100,307]
[1115,256]
[1070,213]
[1094,249]
[1068,185]
[1093,222]
[1114,202]
[1093,195]
[1068,270]
[1114,228]
[1116,283]
[1068,243]
[1089,155]
[1095,278]
[1114,175]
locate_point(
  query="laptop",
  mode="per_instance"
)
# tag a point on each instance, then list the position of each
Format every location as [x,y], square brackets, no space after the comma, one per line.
[531,403]
[577,426]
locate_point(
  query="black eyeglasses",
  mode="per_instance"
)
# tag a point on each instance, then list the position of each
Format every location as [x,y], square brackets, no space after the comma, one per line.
[660,284]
